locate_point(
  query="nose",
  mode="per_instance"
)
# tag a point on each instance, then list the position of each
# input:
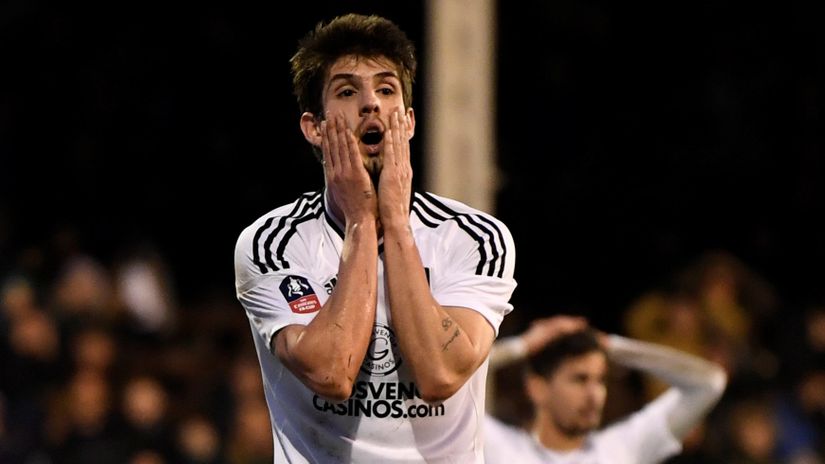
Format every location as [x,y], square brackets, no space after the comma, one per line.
[369,104]
[597,393]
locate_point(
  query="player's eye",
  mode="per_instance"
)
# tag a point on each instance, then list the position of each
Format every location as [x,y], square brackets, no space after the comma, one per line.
[346,93]
[386,91]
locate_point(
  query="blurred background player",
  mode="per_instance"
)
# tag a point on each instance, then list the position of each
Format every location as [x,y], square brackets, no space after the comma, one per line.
[566,383]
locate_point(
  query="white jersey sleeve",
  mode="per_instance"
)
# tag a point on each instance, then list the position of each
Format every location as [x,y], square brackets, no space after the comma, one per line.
[476,257]
[699,382]
[277,287]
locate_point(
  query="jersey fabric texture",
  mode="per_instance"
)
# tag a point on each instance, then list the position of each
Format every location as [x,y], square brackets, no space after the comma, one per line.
[285,268]
[642,438]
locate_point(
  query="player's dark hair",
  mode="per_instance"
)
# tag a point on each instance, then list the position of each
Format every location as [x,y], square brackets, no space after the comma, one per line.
[352,34]
[568,346]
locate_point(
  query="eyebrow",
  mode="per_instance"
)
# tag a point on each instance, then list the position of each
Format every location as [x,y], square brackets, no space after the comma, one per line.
[352,77]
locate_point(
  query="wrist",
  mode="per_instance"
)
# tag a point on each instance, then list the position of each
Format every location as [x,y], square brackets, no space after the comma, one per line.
[508,350]
[613,342]
[516,346]
[361,225]
[397,226]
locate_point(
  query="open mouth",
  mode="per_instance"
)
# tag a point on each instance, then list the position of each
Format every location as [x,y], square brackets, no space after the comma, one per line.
[372,137]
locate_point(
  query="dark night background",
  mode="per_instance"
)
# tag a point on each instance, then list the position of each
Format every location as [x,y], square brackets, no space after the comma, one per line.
[631,137]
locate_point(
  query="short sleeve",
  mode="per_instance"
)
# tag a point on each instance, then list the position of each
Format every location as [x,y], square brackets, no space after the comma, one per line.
[275,297]
[477,260]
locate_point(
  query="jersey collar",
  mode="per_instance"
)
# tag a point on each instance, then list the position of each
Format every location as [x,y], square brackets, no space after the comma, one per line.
[333,221]
[338,225]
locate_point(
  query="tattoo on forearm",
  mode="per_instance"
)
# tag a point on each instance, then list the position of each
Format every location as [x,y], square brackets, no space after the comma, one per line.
[447,345]
[446,323]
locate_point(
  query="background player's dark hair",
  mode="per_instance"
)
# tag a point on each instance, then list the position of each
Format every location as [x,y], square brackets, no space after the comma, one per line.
[352,34]
[572,345]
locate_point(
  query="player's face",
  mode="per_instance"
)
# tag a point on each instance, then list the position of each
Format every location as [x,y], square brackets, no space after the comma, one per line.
[366,91]
[575,394]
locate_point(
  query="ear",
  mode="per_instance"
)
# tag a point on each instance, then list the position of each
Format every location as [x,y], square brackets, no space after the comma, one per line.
[311,127]
[411,116]
[536,387]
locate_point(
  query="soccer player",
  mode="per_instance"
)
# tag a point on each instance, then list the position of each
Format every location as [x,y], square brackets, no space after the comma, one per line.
[566,384]
[372,308]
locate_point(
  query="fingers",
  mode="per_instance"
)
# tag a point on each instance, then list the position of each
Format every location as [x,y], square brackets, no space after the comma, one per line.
[390,142]
[397,148]
[325,150]
[331,139]
[354,152]
[341,132]
[543,331]
[338,144]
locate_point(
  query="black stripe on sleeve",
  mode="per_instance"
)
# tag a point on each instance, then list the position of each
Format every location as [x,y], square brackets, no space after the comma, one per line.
[422,218]
[487,231]
[503,244]
[430,211]
[302,201]
[256,257]
[279,255]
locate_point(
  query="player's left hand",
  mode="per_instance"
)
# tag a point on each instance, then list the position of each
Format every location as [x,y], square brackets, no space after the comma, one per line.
[395,183]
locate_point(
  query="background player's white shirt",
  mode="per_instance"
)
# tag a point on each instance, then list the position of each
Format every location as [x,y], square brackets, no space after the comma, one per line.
[642,438]
[285,267]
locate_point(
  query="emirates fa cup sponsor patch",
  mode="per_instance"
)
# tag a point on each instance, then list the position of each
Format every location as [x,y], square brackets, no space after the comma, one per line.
[300,295]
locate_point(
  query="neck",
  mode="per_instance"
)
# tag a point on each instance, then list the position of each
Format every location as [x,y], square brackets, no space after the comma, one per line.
[338,215]
[552,437]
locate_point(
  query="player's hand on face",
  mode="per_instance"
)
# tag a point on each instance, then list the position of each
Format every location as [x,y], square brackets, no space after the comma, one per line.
[347,180]
[395,183]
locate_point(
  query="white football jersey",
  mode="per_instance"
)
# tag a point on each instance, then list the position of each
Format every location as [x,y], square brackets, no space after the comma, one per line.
[286,265]
[642,438]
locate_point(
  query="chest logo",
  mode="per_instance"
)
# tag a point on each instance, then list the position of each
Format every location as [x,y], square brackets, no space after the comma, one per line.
[300,295]
[383,356]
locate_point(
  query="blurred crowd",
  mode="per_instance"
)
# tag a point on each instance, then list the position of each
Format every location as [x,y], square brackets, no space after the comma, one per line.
[100,363]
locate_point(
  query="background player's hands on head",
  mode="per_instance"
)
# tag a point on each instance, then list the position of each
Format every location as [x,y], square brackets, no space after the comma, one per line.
[545,330]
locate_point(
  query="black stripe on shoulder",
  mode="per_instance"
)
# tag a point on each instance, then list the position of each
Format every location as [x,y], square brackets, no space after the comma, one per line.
[495,227]
[256,257]
[279,254]
[489,229]
[425,220]
[302,204]
[424,207]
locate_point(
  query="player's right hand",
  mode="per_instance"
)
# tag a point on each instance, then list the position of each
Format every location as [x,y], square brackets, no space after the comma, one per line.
[347,180]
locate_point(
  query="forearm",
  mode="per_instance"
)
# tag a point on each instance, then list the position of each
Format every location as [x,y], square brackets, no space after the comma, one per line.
[327,353]
[442,351]
[699,382]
